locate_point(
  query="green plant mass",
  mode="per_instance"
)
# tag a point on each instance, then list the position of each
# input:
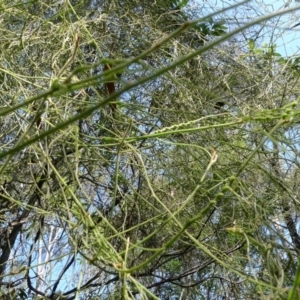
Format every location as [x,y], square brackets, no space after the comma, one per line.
[148,150]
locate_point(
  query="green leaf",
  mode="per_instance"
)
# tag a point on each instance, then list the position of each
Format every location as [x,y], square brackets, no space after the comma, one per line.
[251,45]
[182,3]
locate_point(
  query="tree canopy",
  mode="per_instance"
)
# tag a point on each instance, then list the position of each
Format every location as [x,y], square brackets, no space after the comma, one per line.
[149,150]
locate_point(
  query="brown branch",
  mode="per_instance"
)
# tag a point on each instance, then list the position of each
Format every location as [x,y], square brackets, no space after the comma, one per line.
[110,88]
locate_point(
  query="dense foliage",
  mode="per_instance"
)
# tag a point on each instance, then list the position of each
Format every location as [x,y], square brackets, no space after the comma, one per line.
[141,158]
